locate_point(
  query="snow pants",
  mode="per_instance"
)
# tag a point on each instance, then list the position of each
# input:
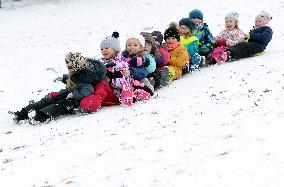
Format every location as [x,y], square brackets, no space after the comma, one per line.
[244,50]
[103,96]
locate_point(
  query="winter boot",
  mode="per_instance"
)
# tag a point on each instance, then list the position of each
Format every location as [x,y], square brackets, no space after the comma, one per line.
[186,68]
[140,94]
[196,62]
[165,76]
[126,95]
[41,117]
[21,115]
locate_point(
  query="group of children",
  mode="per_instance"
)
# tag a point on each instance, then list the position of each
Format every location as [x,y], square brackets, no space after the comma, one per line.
[124,77]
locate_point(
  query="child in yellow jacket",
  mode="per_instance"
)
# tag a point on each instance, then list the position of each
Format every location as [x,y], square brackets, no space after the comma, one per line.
[178,54]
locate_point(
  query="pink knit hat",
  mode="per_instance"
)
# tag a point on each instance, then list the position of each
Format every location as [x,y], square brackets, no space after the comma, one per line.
[264,17]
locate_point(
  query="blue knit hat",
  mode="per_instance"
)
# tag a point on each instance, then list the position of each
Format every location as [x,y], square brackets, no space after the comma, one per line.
[196,14]
[187,22]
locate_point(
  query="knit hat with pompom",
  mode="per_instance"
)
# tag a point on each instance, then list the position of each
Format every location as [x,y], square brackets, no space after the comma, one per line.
[172,31]
[111,42]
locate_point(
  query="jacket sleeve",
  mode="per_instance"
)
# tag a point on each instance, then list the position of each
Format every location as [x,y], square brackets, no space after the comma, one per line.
[83,91]
[138,73]
[208,42]
[192,48]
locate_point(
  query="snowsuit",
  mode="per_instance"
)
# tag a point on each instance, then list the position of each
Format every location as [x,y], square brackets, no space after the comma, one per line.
[259,39]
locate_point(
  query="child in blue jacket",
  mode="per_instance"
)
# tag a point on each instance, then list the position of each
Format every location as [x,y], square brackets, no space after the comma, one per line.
[206,40]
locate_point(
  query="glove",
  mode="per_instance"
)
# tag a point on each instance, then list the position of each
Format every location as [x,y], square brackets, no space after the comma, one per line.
[57,79]
[69,96]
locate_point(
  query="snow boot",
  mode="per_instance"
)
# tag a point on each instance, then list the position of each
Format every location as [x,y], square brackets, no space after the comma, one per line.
[165,76]
[126,95]
[20,115]
[196,60]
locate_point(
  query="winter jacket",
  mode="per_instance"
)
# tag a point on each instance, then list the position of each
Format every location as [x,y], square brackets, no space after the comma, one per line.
[230,37]
[115,66]
[179,57]
[84,79]
[205,40]
[190,43]
[261,35]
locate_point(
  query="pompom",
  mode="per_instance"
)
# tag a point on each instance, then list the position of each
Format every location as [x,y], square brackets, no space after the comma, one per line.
[115,34]
[173,25]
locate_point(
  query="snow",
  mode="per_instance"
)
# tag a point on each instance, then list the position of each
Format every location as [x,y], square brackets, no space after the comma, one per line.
[221,126]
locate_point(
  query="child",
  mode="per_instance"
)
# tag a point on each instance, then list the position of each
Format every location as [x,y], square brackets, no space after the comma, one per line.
[133,54]
[162,70]
[258,39]
[179,56]
[190,42]
[82,72]
[202,32]
[231,36]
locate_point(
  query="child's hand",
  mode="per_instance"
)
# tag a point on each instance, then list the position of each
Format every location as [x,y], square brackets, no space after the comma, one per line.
[125,72]
[58,79]
[247,36]
[136,61]
[221,42]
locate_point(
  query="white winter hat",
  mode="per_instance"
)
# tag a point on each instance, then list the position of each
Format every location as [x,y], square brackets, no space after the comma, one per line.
[264,17]
[233,15]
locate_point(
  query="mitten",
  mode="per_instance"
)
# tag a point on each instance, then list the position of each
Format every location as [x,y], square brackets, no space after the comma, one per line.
[69,96]
[221,42]
[58,79]
[136,61]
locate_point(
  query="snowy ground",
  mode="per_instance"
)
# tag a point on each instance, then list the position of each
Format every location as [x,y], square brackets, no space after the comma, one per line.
[220,127]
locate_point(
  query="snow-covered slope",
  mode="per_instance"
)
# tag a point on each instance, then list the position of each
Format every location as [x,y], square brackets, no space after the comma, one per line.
[222,126]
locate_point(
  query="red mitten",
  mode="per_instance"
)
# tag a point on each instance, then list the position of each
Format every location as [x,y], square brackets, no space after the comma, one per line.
[53,94]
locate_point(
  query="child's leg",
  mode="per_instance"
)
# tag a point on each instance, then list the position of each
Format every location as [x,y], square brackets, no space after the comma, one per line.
[23,113]
[165,76]
[244,50]
[62,107]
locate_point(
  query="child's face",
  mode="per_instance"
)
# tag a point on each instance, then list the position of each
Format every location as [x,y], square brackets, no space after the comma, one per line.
[171,40]
[230,23]
[197,20]
[108,53]
[184,30]
[148,47]
[133,46]
[258,23]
